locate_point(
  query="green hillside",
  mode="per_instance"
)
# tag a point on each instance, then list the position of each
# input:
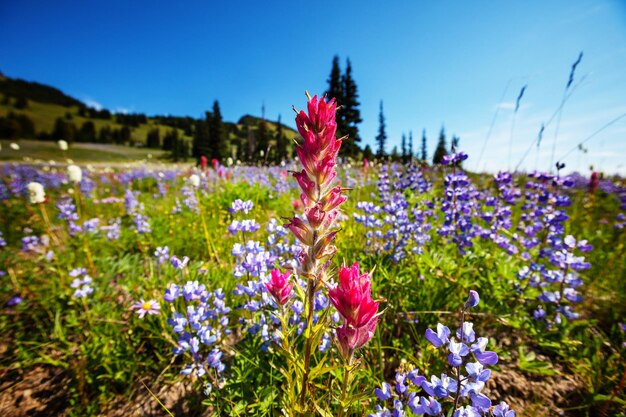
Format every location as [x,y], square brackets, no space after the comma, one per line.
[30,110]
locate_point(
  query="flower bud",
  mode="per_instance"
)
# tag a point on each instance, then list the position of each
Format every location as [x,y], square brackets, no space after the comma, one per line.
[306,184]
[472,300]
[315,215]
[300,230]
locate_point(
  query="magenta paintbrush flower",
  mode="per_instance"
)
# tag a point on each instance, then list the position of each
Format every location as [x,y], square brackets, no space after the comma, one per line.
[320,196]
[279,286]
[353,297]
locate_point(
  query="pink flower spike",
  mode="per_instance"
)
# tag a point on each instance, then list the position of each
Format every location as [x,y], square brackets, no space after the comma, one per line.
[146,307]
[352,297]
[279,286]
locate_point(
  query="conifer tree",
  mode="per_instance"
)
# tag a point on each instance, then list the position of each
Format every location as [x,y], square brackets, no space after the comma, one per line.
[381,138]
[87,132]
[125,135]
[349,113]
[403,149]
[281,143]
[394,154]
[410,150]
[64,130]
[262,141]
[220,148]
[424,157]
[335,88]
[153,139]
[105,135]
[367,153]
[454,144]
[441,149]
[201,143]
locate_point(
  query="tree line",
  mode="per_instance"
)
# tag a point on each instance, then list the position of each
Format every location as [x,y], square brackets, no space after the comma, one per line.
[251,140]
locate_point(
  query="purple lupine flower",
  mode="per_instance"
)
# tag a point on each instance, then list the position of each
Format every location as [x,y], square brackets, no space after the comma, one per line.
[482,356]
[162,253]
[502,410]
[467,411]
[439,338]
[429,406]
[15,300]
[472,300]
[383,393]
[178,263]
[239,205]
[172,293]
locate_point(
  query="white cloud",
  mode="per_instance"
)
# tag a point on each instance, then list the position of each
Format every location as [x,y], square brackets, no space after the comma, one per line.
[122,110]
[92,103]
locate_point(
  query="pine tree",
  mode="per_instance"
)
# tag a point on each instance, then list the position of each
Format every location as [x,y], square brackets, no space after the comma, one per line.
[153,139]
[335,88]
[125,135]
[175,149]
[424,157]
[201,143]
[381,138]
[350,114]
[262,141]
[183,148]
[64,130]
[220,148]
[281,143]
[367,153]
[105,135]
[410,150]
[87,132]
[454,145]
[441,150]
[394,154]
[403,149]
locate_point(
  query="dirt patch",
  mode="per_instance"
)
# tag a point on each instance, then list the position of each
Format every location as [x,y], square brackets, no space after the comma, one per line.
[181,399]
[43,392]
[37,392]
[535,395]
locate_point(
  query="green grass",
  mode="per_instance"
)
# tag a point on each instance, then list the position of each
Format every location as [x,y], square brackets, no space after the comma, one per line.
[45,151]
[106,352]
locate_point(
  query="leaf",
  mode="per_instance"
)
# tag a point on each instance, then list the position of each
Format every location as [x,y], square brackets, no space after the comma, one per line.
[604,397]
[529,363]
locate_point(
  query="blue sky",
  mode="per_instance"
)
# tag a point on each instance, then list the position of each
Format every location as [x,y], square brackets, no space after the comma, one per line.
[433,63]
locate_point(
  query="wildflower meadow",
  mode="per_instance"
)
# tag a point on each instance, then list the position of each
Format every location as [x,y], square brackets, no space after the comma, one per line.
[317,286]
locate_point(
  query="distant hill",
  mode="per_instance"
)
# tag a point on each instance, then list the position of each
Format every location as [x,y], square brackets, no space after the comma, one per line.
[31,110]
[16,88]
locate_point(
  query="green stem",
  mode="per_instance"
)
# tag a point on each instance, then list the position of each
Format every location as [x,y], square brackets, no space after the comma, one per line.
[344,386]
[206,230]
[46,220]
[458,368]
[309,342]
